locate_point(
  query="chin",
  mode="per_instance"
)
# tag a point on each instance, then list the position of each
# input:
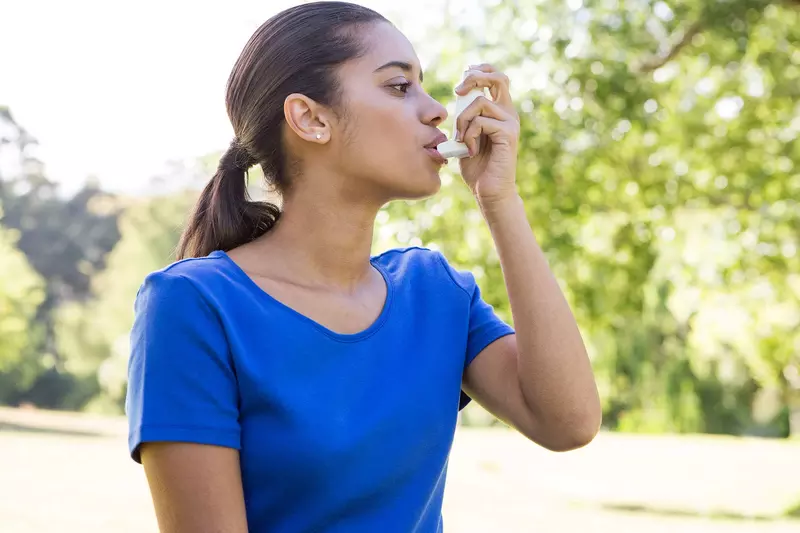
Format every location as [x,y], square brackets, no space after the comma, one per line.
[428,184]
[414,183]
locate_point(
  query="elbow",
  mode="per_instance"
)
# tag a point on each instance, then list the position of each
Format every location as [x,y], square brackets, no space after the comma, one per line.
[573,440]
[585,430]
[568,435]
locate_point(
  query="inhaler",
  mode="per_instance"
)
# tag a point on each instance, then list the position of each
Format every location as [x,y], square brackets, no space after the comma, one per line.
[453,148]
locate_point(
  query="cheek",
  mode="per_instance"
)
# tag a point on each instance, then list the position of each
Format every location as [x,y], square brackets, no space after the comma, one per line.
[384,120]
[383,142]
[380,146]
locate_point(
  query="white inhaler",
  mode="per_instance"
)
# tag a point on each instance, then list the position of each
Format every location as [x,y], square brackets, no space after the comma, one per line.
[453,148]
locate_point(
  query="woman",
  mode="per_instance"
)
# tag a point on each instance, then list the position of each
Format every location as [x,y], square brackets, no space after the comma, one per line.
[281,379]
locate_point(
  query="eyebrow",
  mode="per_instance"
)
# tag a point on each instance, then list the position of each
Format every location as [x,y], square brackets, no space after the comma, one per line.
[402,65]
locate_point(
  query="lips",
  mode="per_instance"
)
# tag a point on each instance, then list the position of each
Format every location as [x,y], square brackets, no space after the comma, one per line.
[436,156]
[433,152]
[436,141]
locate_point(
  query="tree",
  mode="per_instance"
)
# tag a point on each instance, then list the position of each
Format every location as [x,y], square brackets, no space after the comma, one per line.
[648,128]
[21,293]
[93,335]
[65,240]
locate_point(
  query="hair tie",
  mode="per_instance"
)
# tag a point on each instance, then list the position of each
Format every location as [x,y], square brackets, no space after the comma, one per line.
[237,157]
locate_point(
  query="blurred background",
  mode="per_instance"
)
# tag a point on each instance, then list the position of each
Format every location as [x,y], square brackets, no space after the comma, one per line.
[660,167]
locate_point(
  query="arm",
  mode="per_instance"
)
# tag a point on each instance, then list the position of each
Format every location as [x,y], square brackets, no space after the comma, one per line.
[196,488]
[540,380]
[182,408]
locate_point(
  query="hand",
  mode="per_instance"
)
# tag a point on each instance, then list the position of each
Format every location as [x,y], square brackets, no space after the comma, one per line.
[490,129]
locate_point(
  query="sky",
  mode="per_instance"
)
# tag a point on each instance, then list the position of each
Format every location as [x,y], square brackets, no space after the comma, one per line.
[115,90]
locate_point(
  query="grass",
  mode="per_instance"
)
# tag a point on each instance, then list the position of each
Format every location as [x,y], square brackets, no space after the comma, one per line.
[71,473]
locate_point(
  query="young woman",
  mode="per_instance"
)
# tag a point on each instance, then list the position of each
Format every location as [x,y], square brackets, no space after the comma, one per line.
[283,380]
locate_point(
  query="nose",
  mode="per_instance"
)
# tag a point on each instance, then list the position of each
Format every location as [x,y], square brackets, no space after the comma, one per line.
[434,112]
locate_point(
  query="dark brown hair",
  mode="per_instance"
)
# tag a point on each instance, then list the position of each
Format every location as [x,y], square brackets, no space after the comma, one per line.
[296,51]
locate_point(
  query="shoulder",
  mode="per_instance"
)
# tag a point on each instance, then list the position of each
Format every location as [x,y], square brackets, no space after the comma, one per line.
[418,262]
[186,279]
[196,269]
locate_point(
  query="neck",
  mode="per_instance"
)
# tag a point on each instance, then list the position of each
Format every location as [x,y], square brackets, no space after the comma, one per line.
[323,238]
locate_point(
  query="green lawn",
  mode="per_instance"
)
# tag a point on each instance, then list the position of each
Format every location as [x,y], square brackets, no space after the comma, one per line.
[71,473]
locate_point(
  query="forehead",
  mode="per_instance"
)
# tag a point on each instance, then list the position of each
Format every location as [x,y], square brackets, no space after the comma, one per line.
[383,43]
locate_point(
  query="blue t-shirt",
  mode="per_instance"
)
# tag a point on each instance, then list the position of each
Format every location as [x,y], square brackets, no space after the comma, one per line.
[336,432]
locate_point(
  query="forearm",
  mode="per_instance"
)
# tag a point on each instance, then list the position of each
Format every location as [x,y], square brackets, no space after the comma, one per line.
[554,372]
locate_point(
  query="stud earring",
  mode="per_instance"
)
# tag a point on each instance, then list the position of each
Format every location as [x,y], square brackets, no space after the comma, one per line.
[319,136]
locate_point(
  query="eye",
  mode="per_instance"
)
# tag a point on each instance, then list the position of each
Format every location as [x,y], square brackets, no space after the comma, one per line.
[401,87]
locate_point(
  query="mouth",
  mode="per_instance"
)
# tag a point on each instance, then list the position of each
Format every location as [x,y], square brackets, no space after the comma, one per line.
[433,152]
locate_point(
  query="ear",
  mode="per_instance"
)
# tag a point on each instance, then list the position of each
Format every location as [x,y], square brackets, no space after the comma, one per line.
[308,119]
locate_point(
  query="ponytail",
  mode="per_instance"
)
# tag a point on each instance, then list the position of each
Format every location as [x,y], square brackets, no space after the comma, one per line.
[299,50]
[224,216]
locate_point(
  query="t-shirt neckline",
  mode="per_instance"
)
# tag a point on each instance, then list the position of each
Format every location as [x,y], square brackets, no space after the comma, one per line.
[341,337]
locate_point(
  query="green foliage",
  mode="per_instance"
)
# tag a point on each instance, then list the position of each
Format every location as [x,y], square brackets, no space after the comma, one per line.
[93,337]
[660,168]
[65,241]
[21,293]
[793,511]
[659,164]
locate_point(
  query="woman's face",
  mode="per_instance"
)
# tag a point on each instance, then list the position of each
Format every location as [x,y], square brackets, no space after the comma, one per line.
[386,139]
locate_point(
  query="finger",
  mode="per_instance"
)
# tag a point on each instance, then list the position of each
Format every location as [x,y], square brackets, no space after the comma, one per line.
[481,106]
[496,82]
[499,131]
[485,67]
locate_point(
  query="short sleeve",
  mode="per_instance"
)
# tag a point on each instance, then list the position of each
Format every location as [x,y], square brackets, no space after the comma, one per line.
[485,326]
[181,382]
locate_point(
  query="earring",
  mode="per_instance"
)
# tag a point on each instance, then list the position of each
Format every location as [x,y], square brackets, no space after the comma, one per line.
[319,136]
